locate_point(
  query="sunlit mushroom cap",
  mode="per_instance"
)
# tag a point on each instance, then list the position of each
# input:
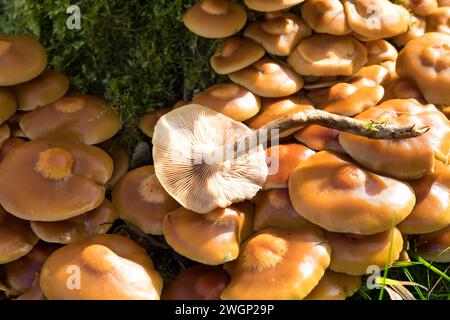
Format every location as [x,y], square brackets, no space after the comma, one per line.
[332,192]
[141,200]
[8,103]
[369,76]
[108,267]
[235,54]
[326,16]
[22,58]
[273,209]
[76,118]
[277,264]
[278,32]
[435,246]
[192,172]
[199,282]
[421,7]
[328,55]
[229,99]
[432,210]
[97,221]
[439,21]
[426,61]
[403,89]
[335,286]
[272,5]
[47,88]
[9,145]
[120,159]
[354,254]
[16,237]
[215,18]
[46,180]
[379,51]
[148,121]
[376,19]
[406,158]
[268,78]
[319,138]
[212,238]
[5,134]
[417,27]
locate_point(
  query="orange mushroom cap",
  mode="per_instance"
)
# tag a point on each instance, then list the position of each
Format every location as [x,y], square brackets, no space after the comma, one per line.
[403,89]
[326,16]
[439,20]
[421,7]
[319,138]
[272,5]
[417,28]
[380,51]
[335,286]
[148,121]
[435,246]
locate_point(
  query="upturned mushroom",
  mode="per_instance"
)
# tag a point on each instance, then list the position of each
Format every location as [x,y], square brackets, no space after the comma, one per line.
[329,190]
[8,104]
[326,16]
[278,264]
[278,32]
[273,5]
[439,21]
[103,267]
[215,19]
[47,88]
[22,58]
[141,200]
[335,286]
[212,238]
[70,177]
[76,118]
[435,246]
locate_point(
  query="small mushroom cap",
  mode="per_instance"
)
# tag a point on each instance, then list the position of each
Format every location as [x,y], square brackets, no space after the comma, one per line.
[272,5]
[22,273]
[319,138]
[335,286]
[376,19]
[379,51]
[148,122]
[277,264]
[97,221]
[197,283]
[192,172]
[215,19]
[426,61]
[406,158]
[9,145]
[22,58]
[16,238]
[403,89]
[47,88]
[432,210]
[421,7]
[268,78]
[332,192]
[417,28]
[141,200]
[235,54]
[435,246]
[326,16]
[8,102]
[273,209]
[229,99]
[76,118]
[439,21]
[278,33]
[353,254]
[5,133]
[370,75]
[46,180]
[119,157]
[328,55]
[110,267]
[213,238]
[282,160]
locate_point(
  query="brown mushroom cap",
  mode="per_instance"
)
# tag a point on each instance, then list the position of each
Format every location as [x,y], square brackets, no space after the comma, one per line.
[278,264]
[335,286]
[111,267]
[278,32]
[46,180]
[9,144]
[339,196]
[403,89]
[353,254]
[22,273]
[435,246]
[272,5]
[35,293]
[432,210]
[426,61]
[5,133]
[273,209]
[215,18]
[407,158]
[197,283]
[417,27]
[282,160]
[439,21]
[119,157]
[16,238]
[97,221]
[76,118]
[213,238]
[326,16]
[148,121]
[235,54]
[47,88]
[376,19]
[229,99]
[328,55]
[268,78]
[141,200]
[370,76]
[13,124]
[319,138]
[379,51]
[443,3]
[22,58]
[421,7]
[8,102]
